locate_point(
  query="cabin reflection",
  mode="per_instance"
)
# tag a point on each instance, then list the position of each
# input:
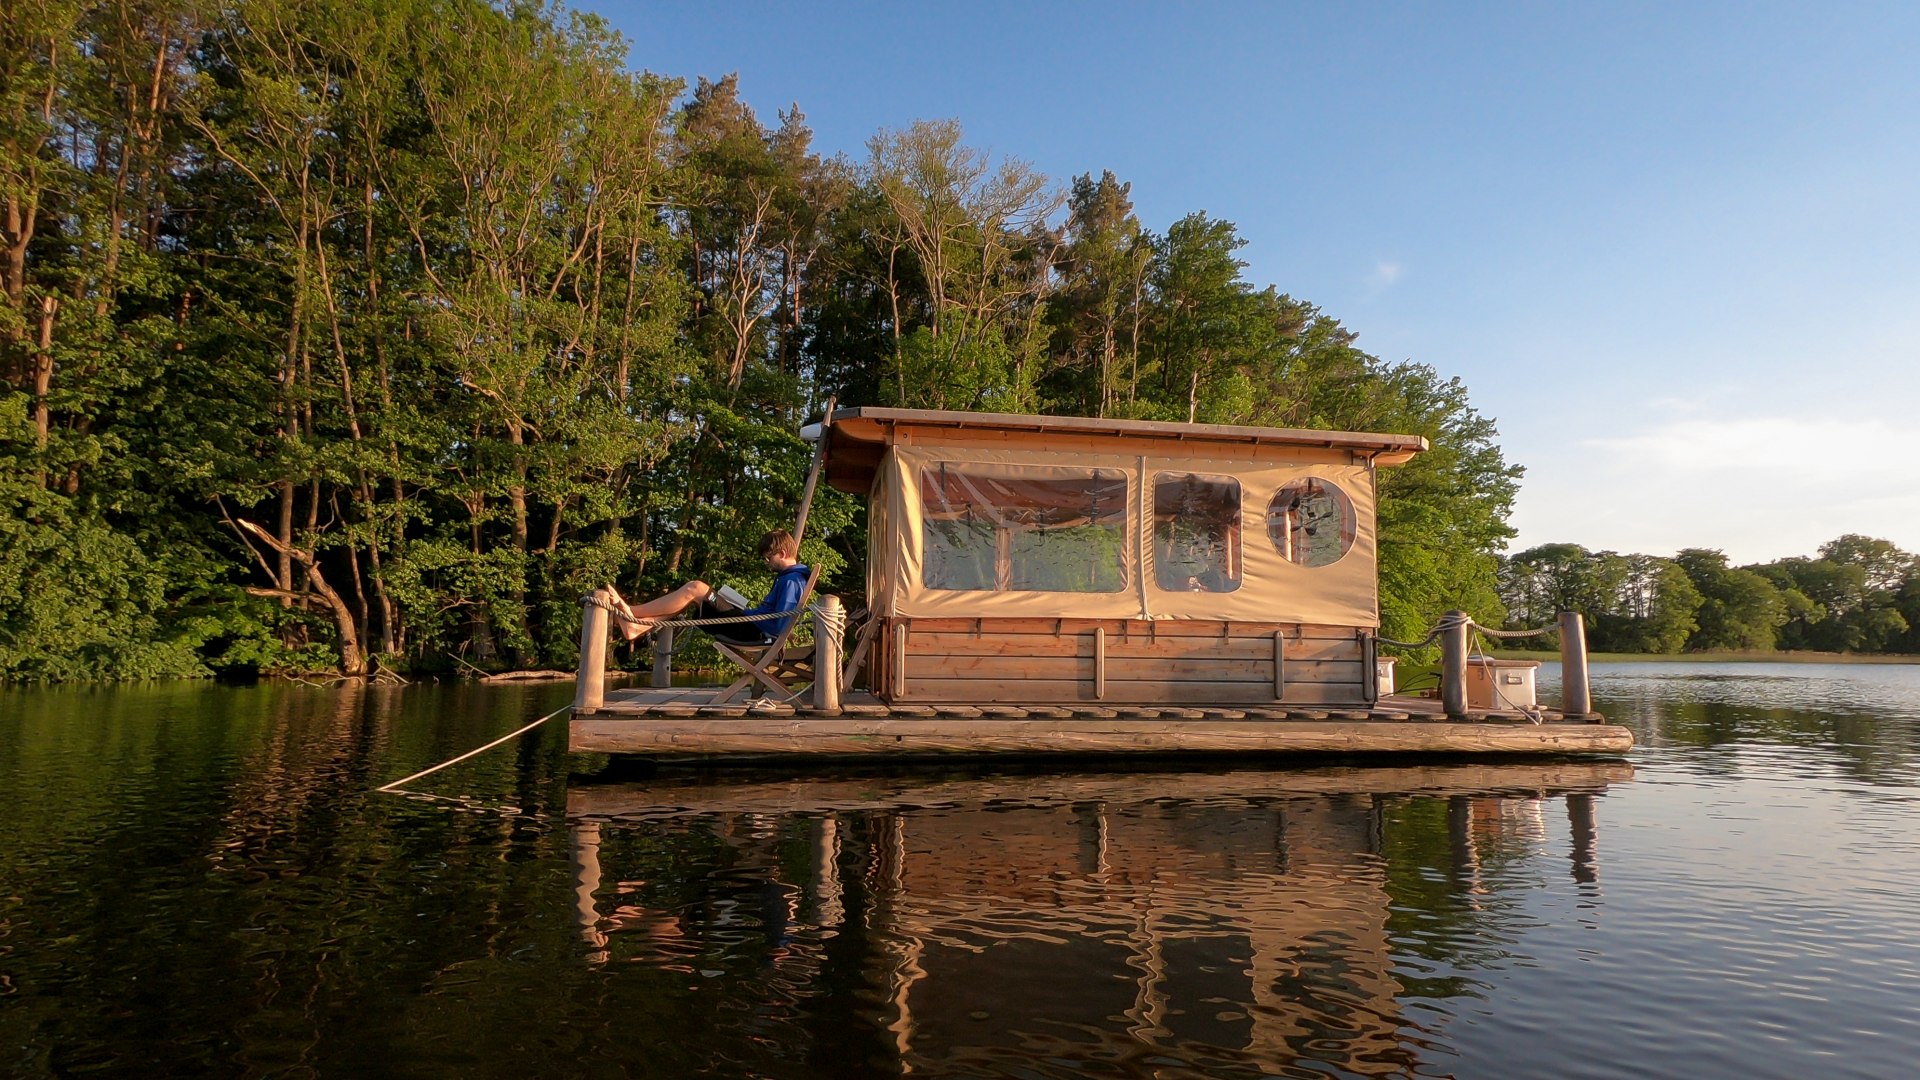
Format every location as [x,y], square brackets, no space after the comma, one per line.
[1242,915]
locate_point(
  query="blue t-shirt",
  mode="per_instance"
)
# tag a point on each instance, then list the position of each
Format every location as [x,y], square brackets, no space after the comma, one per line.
[783,597]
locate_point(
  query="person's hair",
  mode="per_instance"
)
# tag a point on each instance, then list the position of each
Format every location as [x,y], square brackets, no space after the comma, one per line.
[779,542]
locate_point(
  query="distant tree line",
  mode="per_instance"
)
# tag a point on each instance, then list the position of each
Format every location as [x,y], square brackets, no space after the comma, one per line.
[345,334]
[1858,595]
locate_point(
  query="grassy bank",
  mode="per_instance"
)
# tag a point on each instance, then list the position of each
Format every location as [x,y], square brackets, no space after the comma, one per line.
[1747,656]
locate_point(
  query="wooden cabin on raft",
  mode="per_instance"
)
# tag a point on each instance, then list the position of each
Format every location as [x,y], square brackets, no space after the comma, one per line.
[1053,584]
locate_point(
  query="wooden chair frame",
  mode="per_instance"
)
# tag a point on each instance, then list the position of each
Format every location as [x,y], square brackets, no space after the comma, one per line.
[765,664]
[856,657]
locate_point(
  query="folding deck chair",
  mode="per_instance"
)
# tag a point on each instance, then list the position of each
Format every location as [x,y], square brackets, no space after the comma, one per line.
[775,664]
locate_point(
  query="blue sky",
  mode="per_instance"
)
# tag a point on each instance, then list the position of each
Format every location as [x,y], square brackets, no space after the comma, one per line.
[1674,250]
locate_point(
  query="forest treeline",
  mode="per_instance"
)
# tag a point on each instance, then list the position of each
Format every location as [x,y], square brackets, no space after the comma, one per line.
[371,333]
[1858,594]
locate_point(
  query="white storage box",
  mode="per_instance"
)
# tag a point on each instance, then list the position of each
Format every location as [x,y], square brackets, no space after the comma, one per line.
[1500,684]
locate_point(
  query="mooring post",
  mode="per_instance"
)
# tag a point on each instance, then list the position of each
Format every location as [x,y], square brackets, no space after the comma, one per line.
[590,683]
[1580,818]
[586,882]
[1576,699]
[826,654]
[1453,663]
[663,656]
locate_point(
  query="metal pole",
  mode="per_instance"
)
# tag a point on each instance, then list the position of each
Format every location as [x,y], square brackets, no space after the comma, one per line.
[1453,664]
[826,655]
[1576,699]
[590,683]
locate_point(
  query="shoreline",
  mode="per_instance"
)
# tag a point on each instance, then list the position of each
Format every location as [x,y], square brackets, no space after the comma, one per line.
[1723,657]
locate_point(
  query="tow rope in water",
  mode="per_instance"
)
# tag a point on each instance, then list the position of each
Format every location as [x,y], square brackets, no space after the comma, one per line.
[394,788]
[835,620]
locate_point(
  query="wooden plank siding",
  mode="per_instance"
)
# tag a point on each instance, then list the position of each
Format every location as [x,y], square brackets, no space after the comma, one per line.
[1118,661]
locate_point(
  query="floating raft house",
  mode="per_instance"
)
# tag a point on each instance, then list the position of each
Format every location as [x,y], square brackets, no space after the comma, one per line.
[1065,585]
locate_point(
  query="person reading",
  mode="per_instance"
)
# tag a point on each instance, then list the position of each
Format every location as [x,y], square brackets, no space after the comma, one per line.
[781,555]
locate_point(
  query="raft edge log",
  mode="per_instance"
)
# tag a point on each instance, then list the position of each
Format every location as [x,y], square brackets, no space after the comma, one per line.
[658,735]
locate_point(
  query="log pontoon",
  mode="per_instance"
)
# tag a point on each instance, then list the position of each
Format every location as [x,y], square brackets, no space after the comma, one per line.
[1065,585]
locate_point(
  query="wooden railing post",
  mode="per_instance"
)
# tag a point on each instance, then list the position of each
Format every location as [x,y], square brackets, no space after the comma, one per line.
[826,654]
[1576,698]
[590,683]
[663,657]
[1453,664]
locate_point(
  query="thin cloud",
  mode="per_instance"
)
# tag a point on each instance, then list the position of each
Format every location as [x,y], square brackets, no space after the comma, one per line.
[1385,273]
[1778,445]
[1757,487]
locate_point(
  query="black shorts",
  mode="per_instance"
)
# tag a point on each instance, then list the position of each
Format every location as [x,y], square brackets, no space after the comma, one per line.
[738,633]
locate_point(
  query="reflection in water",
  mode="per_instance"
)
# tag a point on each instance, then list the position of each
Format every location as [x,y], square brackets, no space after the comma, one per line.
[199,880]
[1235,923]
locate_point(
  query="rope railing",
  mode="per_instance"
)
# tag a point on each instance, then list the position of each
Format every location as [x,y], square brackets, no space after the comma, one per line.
[1457,632]
[1491,632]
[1456,629]
[1446,623]
[828,620]
[620,611]
[593,599]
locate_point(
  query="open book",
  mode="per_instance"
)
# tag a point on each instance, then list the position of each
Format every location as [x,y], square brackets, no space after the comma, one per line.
[730,596]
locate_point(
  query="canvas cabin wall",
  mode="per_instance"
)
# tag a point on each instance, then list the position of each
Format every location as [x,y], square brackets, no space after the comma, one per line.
[1017,559]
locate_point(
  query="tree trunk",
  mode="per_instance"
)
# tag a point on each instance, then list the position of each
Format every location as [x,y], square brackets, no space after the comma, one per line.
[353,660]
[43,382]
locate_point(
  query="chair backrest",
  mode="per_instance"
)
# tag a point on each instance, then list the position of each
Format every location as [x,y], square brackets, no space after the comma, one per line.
[800,608]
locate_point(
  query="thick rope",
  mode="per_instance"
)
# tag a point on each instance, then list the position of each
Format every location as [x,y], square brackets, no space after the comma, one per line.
[1446,624]
[835,624]
[1439,628]
[1491,632]
[393,788]
[833,620]
[656,624]
[595,600]
[1534,714]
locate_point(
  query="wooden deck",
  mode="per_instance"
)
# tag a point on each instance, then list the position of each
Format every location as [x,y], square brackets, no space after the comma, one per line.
[683,724]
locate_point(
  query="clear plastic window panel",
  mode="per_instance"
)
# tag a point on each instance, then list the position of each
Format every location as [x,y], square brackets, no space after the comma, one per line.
[1196,532]
[1312,522]
[1045,529]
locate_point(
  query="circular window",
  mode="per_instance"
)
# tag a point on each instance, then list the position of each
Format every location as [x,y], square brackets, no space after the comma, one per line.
[1311,521]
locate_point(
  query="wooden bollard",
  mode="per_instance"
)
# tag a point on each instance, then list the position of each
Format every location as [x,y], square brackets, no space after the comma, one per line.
[1453,664]
[826,654]
[663,657]
[590,683]
[1576,698]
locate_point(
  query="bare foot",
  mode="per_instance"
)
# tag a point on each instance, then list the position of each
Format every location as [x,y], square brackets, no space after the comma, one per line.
[632,627]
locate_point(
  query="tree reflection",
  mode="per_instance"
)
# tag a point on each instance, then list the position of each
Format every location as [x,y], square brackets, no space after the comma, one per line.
[1238,921]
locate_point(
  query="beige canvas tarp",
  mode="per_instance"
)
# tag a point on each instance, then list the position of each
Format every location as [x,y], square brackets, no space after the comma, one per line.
[972,532]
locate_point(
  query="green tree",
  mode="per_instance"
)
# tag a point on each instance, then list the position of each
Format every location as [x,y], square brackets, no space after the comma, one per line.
[1739,609]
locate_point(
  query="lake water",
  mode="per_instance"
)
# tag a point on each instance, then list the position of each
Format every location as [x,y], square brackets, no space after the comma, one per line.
[198,880]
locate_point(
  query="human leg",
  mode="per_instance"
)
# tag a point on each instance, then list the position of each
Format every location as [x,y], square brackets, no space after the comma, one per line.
[742,633]
[639,618]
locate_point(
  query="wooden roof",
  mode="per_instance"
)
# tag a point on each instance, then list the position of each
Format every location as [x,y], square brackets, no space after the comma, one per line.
[859,436]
